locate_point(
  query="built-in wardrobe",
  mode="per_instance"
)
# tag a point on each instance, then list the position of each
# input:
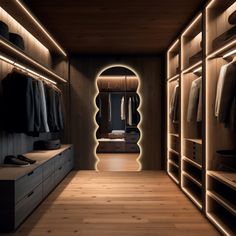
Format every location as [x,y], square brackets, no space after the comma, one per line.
[33,99]
[200,85]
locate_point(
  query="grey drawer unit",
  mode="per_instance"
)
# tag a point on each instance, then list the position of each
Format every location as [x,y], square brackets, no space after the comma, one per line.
[22,189]
[27,183]
[48,185]
[27,204]
[132,137]
[48,168]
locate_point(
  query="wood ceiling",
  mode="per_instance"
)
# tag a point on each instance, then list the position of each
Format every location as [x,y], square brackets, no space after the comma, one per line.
[112,26]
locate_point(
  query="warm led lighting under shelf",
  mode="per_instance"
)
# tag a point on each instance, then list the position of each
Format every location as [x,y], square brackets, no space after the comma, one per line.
[41,27]
[192,67]
[8,46]
[173,177]
[15,64]
[174,78]
[192,198]
[199,69]
[194,22]
[231,53]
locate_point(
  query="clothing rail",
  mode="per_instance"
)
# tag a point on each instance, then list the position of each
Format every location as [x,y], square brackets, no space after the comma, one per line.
[29,71]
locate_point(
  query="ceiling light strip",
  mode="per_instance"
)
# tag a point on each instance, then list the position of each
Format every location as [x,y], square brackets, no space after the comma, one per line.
[41,27]
[31,60]
[15,64]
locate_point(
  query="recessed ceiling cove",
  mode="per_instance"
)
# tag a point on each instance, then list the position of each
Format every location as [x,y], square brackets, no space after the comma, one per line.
[114,27]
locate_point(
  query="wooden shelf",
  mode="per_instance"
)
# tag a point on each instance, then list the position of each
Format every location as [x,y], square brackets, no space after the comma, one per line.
[19,56]
[171,150]
[226,204]
[192,68]
[173,78]
[192,162]
[173,134]
[32,24]
[224,178]
[173,177]
[174,164]
[193,179]
[198,141]
[196,200]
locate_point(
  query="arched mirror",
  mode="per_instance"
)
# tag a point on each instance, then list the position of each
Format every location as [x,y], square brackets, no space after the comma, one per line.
[118,118]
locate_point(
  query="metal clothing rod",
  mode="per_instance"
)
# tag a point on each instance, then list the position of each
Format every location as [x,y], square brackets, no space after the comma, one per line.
[32,72]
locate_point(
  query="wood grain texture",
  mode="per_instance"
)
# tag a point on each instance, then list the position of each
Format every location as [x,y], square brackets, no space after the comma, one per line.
[91,203]
[84,71]
[116,27]
[118,161]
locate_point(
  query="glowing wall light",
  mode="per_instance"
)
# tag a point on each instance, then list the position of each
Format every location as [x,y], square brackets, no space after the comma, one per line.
[138,160]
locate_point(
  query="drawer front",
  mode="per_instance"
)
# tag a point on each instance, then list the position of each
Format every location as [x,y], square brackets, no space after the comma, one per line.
[59,175]
[111,147]
[27,183]
[132,148]
[48,185]
[27,205]
[59,161]
[48,169]
[132,138]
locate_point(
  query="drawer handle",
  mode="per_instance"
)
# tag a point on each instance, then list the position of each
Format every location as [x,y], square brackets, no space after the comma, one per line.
[30,173]
[60,168]
[60,154]
[30,194]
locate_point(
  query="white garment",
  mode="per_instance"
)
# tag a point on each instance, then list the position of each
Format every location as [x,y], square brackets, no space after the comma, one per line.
[130,112]
[44,106]
[109,107]
[194,102]
[219,90]
[122,108]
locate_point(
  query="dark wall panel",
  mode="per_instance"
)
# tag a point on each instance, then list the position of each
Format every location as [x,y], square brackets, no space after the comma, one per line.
[83,73]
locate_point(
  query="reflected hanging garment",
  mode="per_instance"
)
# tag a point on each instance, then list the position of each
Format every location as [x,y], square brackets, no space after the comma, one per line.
[122,108]
[130,112]
[109,108]
[174,105]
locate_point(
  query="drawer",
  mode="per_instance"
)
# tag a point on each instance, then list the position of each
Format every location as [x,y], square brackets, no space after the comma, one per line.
[27,183]
[59,175]
[59,161]
[111,147]
[48,169]
[48,185]
[132,148]
[27,204]
[132,138]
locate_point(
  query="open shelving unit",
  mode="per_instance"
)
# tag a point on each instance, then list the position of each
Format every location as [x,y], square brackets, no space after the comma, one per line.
[204,46]
[173,126]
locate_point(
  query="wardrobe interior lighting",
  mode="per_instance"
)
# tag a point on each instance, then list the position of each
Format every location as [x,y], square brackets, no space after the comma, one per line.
[3,58]
[194,163]
[173,177]
[41,27]
[230,54]
[190,26]
[31,60]
[198,70]
[221,49]
[210,4]
[173,45]
[192,197]
[138,160]
[173,78]
[192,67]
[216,222]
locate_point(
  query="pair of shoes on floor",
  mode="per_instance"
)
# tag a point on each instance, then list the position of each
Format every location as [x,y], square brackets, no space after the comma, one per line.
[20,160]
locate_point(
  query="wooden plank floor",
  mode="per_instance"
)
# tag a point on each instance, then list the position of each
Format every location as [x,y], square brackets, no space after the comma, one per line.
[118,161]
[89,203]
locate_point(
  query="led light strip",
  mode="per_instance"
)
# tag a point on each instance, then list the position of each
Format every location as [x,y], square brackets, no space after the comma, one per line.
[3,58]
[193,22]
[192,162]
[173,177]
[40,26]
[199,69]
[192,198]
[174,78]
[31,60]
[233,52]
[192,67]
[138,160]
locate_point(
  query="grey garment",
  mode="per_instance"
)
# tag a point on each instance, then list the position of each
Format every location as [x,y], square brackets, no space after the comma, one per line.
[44,119]
[226,91]
[37,106]
[174,105]
[194,103]
[109,108]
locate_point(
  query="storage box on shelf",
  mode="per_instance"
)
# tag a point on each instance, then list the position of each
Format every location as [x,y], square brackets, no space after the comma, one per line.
[22,189]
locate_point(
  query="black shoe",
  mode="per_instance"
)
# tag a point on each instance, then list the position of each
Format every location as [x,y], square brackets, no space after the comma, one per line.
[13,161]
[24,158]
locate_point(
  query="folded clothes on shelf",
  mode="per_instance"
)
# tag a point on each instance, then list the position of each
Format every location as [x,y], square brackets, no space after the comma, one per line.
[232,18]
[4,30]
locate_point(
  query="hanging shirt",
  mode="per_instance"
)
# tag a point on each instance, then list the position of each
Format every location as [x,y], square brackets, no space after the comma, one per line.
[130,112]
[122,108]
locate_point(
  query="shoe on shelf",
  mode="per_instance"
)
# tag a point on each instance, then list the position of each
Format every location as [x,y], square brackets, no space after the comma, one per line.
[13,161]
[24,158]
